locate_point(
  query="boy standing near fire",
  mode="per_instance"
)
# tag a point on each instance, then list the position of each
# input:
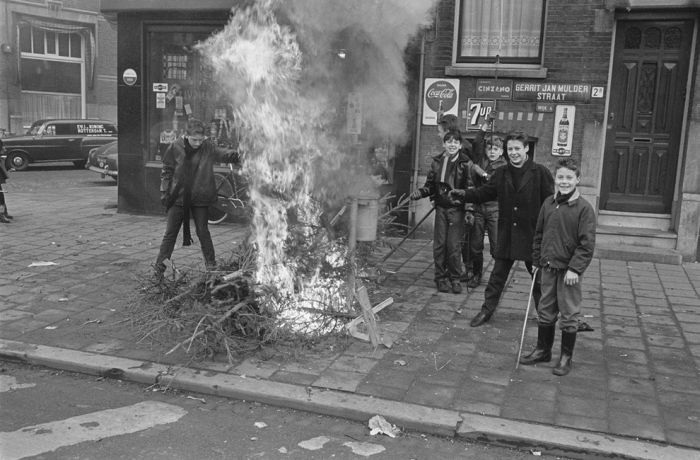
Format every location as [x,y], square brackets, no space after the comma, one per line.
[188,188]
[451,169]
[562,249]
[520,188]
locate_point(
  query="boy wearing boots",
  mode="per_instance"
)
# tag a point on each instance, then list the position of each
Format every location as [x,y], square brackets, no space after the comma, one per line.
[449,170]
[562,248]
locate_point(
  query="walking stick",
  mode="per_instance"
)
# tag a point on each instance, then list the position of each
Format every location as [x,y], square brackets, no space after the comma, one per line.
[408,234]
[527,314]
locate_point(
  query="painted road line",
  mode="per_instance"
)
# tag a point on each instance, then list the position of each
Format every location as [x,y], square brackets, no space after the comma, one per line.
[9,383]
[47,437]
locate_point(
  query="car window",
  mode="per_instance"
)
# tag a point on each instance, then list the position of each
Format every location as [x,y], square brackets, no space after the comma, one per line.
[34,129]
[65,129]
[50,130]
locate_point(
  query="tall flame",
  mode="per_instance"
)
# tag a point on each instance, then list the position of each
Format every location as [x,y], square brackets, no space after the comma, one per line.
[277,65]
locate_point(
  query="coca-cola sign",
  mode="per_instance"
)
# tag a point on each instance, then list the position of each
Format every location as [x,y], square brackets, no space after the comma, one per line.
[441,91]
[440,97]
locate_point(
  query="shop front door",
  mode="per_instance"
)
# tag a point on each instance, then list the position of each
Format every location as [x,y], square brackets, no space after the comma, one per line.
[647,99]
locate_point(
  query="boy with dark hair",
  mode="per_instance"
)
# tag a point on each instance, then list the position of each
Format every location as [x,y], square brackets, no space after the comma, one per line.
[449,170]
[188,187]
[520,188]
[562,249]
[450,122]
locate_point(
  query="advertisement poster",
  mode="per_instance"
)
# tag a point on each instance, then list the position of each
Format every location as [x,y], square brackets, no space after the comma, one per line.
[478,112]
[562,141]
[441,97]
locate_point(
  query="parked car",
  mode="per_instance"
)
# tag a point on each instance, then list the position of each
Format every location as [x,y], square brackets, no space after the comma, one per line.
[58,140]
[104,160]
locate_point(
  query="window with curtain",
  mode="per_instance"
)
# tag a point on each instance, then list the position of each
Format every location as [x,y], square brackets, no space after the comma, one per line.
[509,29]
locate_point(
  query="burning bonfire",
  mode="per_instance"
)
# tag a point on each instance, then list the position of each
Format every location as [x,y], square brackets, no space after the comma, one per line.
[286,68]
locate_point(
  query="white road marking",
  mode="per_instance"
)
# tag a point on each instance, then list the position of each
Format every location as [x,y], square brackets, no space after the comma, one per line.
[47,437]
[7,383]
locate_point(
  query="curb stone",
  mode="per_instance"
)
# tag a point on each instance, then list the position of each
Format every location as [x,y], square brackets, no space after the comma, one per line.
[565,441]
[549,439]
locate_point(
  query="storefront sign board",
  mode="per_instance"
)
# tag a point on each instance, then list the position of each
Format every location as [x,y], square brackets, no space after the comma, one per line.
[494,89]
[552,92]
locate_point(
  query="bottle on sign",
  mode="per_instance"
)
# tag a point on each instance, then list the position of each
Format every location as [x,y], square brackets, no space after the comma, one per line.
[563,129]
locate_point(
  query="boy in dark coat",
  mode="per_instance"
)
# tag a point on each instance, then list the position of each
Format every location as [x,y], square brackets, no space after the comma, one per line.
[450,169]
[521,188]
[562,249]
[188,187]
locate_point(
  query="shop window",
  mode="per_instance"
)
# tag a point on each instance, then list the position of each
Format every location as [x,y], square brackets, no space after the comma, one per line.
[183,88]
[507,31]
[50,76]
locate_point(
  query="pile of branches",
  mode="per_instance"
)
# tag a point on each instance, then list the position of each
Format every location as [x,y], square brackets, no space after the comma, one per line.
[209,313]
[204,313]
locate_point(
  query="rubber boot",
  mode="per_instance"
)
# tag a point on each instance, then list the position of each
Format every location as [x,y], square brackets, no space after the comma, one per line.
[543,352]
[568,340]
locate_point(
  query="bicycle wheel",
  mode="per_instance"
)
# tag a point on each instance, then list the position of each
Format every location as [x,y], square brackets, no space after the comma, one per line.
[223,185]
[218,211]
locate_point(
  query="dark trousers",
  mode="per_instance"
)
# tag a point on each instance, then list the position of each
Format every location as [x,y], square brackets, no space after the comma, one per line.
[497,281]
[485,219]
[447,240]
[176,215]
[3,203]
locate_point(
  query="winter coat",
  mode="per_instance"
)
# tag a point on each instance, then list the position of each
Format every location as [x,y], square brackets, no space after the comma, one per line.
[518,209]
[565,234]
[461,179]
[202,166]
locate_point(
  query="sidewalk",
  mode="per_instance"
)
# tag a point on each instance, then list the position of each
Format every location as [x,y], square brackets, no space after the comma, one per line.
[634,390]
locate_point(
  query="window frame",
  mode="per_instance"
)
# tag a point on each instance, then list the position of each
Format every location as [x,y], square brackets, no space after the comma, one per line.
[56,47]
[487,65]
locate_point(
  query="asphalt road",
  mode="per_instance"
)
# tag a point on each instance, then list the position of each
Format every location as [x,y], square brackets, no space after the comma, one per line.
[56,177]
[49,414]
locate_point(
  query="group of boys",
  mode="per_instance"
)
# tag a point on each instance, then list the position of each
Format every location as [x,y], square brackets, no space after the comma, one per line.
[529,215]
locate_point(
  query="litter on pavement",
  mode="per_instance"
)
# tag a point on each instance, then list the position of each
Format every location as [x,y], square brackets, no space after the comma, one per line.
[378,424]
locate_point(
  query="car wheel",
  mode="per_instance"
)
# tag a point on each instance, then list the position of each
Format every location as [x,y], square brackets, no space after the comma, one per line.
[80,164]
[18,160]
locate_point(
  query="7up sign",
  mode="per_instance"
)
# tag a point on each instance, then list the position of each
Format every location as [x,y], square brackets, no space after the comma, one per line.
[441,97]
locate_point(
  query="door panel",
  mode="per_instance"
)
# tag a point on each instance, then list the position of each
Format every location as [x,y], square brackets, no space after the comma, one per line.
[647,92]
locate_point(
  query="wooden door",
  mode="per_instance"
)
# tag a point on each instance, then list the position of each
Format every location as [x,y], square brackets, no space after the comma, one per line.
[647,97]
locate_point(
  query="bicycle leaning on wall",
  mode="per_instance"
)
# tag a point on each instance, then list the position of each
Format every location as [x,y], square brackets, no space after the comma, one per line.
[231,196]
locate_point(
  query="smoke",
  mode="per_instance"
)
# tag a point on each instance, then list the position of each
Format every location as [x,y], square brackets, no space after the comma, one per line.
[373,34]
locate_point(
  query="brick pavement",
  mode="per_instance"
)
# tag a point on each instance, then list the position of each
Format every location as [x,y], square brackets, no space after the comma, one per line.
[636,375]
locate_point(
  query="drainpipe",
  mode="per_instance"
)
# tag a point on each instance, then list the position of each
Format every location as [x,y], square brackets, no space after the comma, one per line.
[419,121]
[419,117]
